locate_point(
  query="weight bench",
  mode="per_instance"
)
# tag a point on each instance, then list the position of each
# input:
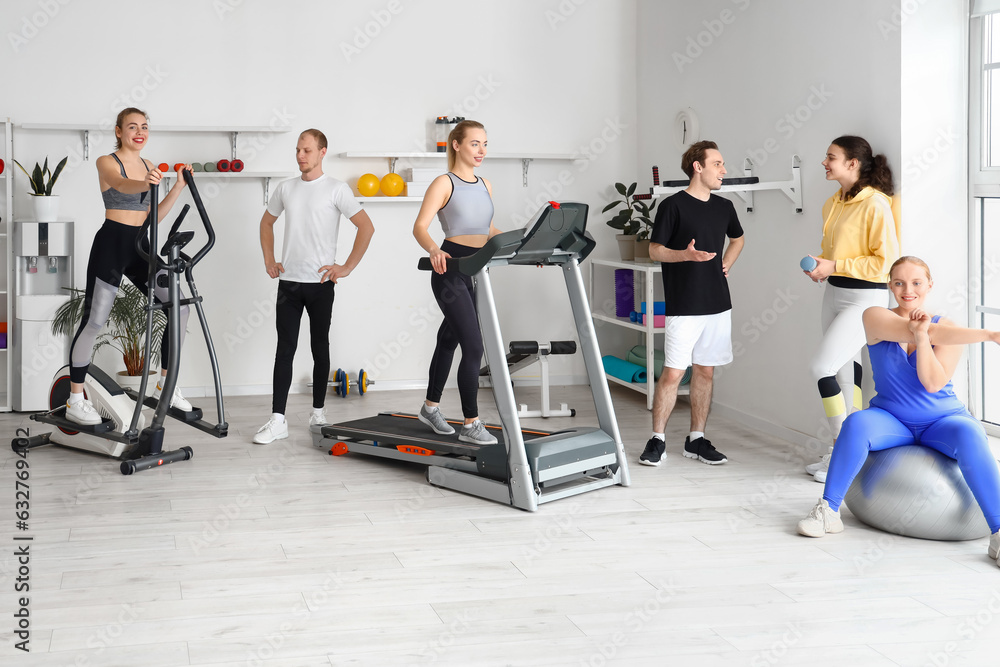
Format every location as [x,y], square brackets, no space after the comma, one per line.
[523,353]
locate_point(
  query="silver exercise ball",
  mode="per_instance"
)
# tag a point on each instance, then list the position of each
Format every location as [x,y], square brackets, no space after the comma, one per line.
[916,491]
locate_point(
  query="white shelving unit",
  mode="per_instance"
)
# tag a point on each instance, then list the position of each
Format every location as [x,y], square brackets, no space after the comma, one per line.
[234,131]
[6,266]
[792,187]
[648,272]
[525,158]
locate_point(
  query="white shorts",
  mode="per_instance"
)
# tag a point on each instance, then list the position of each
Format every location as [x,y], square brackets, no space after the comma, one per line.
[706,340]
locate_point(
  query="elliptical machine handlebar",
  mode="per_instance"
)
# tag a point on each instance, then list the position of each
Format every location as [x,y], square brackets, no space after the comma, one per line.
[155,262]
[203,214]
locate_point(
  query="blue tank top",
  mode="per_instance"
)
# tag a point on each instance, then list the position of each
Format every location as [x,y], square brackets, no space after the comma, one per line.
[119,201]
[899,390]
[469,210]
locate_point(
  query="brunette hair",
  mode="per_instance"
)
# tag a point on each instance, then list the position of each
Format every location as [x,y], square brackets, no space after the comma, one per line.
[122,115]
[874,169]
[912,260]
[696,153]
[317,135]
[458,134]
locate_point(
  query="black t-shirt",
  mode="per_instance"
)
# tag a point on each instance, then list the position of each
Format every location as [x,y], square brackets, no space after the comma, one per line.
[696,288]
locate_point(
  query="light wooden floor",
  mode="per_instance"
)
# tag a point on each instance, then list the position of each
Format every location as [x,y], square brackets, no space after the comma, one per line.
[281,556]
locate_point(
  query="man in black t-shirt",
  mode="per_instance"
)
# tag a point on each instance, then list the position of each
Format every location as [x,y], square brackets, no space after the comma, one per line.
[689,238]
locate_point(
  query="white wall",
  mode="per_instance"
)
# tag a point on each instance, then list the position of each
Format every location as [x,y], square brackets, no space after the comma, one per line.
[542,76]
[935,153]
[771,80]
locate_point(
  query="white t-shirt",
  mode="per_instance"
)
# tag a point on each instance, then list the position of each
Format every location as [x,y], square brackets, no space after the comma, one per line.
[312,221]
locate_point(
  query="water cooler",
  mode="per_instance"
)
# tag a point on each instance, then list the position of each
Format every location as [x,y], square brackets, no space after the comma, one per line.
[43,272]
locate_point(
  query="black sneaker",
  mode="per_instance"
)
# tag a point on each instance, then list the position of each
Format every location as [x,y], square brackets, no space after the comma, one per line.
[653,454]
[703,450]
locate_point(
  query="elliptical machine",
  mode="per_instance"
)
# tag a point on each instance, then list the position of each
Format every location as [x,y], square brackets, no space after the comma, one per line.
[119,435]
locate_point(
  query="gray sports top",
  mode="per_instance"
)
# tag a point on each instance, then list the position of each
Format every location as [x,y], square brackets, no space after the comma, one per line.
[469,210]
[113,199]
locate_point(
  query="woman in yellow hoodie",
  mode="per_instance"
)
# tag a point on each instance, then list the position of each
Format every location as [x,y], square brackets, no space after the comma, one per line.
[860,243]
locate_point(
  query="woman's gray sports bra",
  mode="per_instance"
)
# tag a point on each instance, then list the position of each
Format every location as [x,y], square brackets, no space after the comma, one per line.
[469,210]
[119,201]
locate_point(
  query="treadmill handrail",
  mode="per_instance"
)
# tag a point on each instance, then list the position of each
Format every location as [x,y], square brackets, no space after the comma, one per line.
[502,245]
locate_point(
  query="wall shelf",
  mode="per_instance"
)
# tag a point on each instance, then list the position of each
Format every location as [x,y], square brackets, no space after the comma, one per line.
[525,158]
[233,130]
[265,176]
[792,187]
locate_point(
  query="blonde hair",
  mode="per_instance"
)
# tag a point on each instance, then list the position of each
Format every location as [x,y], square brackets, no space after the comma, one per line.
[458,134]
[122,115]
[911,260]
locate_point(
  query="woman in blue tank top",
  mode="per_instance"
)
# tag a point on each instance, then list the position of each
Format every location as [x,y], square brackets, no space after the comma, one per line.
[463,202]
[913,357]
[125,178]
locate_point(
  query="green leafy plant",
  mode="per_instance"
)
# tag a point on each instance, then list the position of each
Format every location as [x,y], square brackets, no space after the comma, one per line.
[126,325]
[41,178]
[634,216]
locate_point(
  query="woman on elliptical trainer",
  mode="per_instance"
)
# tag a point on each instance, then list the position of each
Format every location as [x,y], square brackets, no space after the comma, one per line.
[463,202]
[113,254]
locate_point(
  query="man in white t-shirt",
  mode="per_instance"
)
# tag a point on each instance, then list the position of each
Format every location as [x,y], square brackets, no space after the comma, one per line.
[312,205]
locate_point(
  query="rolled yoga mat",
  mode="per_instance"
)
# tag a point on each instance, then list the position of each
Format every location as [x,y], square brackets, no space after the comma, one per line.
[623,370]
[637,355]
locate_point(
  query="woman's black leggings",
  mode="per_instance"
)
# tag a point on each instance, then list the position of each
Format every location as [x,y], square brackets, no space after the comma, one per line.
[112,257]
[456,297]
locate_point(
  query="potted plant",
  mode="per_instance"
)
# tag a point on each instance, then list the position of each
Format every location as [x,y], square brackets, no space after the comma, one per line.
[634,221]
[41,179]
[126,329]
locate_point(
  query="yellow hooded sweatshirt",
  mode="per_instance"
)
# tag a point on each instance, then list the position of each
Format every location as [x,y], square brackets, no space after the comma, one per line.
[861,235]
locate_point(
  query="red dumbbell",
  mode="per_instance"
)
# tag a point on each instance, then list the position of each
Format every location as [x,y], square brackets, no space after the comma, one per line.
[236,165]
[163,167]
[2,166]
[178,166]
[224,165]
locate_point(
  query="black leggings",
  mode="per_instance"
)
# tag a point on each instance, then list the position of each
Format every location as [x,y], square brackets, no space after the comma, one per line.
[456,297]
[112,257]
[317,300]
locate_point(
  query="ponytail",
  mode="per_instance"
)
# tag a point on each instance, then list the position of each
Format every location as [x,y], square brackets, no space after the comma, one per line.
[874,170]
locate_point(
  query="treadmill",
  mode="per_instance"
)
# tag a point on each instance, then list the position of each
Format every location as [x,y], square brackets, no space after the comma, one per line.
[526,467]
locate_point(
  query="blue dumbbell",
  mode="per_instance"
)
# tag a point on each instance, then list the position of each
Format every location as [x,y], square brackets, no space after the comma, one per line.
[808,263]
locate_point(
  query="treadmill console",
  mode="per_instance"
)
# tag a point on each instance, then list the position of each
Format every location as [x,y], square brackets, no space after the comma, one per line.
[557,230]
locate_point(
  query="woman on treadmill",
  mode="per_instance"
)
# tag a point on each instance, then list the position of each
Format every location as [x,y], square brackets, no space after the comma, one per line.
[463,203]
[113,254]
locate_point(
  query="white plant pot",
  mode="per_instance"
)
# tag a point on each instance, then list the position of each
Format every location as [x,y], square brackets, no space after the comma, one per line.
[46,208]
[127,381]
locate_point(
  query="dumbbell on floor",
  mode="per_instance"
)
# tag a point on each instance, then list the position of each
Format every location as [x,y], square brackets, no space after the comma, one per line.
[343,385]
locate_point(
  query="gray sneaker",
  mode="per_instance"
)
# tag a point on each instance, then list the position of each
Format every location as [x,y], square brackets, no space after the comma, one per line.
[476,434]
[433,418]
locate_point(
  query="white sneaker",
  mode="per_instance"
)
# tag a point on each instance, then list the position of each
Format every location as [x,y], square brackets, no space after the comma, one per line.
[270,432]
[822,464]
[83,413]
[318,419]
[178,401]
[820,476]
[995,547]
[821,520]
